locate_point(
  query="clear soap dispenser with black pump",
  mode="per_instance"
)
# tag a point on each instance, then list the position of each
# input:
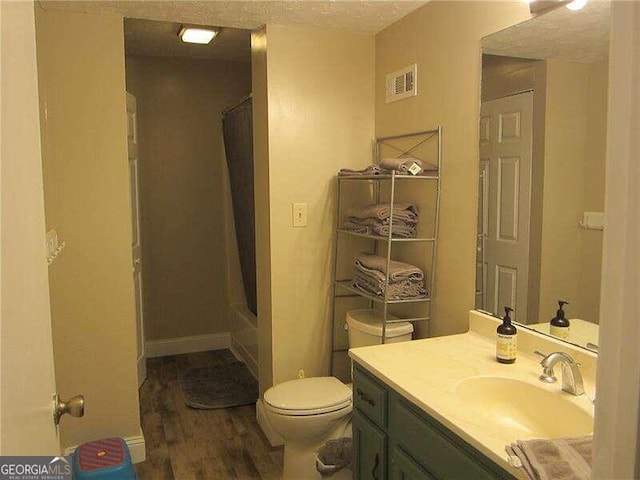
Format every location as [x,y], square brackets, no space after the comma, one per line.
[559,325]
[506,339]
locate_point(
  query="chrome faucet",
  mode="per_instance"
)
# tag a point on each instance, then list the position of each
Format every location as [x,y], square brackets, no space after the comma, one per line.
[571,376]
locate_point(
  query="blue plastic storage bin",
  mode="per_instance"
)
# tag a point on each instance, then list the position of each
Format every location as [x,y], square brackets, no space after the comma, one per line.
[106,459]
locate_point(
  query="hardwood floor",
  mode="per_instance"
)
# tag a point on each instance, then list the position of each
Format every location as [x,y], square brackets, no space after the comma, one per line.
[188,444]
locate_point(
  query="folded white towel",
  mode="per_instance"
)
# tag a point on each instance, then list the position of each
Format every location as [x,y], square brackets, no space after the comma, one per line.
[405,165]
[370,170]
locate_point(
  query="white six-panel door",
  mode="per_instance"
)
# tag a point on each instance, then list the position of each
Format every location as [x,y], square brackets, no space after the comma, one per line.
[136,245]
[505,145]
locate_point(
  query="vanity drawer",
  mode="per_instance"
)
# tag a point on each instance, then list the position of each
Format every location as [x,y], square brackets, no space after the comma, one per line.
[439,452]
[370,397]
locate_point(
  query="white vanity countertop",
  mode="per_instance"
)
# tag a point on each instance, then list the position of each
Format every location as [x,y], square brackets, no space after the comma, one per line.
[427,372]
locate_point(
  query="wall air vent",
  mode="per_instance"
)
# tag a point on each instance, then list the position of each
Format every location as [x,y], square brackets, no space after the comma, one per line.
[402,83]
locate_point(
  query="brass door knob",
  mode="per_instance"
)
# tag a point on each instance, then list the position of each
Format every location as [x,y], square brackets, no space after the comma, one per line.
[74,407]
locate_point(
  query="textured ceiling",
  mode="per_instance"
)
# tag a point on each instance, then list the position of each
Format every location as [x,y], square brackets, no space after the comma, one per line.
[367,17]
[562,34]
[152,38]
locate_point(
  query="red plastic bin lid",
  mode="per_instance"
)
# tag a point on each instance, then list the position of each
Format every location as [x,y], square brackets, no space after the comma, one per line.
[103,453]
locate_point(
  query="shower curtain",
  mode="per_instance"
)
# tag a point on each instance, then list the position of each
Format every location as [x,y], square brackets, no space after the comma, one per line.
[238,143]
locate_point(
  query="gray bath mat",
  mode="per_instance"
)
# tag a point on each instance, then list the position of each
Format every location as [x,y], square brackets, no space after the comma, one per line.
[219,387]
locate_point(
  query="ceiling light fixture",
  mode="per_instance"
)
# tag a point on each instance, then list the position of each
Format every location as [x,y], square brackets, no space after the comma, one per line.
[201,35]
[576,4]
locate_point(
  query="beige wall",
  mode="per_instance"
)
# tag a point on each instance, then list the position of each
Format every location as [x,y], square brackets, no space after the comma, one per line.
[86,185]
[183,189]
[261,193]
[320,118]
[443,38]
[573,183]
[593,194]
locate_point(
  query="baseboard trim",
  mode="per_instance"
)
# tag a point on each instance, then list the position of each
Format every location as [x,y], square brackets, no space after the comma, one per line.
[142,370]
[136,446]
[193,344]
[243,355]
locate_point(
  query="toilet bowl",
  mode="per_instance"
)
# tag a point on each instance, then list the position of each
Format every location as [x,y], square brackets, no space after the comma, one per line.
[308,412]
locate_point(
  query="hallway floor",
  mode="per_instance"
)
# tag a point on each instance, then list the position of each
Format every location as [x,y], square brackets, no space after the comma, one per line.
[184,444]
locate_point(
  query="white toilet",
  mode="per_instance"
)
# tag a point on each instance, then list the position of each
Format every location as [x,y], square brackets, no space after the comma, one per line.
[309,411]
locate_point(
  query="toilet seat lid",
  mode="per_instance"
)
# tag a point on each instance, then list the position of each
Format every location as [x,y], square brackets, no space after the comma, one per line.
[308,396]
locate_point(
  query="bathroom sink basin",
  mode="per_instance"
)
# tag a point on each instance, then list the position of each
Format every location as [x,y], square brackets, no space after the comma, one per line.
[535,411]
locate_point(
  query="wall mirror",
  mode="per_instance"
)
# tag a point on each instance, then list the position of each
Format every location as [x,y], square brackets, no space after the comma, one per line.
[542,168]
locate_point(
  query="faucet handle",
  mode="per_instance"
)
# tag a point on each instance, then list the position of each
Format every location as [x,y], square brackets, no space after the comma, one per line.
[547,376]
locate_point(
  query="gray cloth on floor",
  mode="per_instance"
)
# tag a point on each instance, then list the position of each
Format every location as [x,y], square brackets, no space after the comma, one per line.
[221,386]
[555,459]
[370,170]
[333,456]
[377,266]
[402,165]
[402,211]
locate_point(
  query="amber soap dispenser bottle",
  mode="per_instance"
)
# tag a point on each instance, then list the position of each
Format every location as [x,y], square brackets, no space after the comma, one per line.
[559,325]
[506,339]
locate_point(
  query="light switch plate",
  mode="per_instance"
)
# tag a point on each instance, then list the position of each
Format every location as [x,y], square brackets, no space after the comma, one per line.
[593,220]
[299,215]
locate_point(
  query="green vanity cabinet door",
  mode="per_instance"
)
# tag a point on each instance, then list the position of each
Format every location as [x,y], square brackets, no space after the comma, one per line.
[403,467]
[369,450]
[440,453]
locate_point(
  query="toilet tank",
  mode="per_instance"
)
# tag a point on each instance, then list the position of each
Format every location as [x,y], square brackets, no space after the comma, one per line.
[365,328]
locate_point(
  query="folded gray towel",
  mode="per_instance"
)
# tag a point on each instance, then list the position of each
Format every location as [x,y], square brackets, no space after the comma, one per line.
[402,231]
[403,165]
[555,459]
[356,227]
[370,170]
[397,270]
[402,290]
[375,221]
[402,211]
